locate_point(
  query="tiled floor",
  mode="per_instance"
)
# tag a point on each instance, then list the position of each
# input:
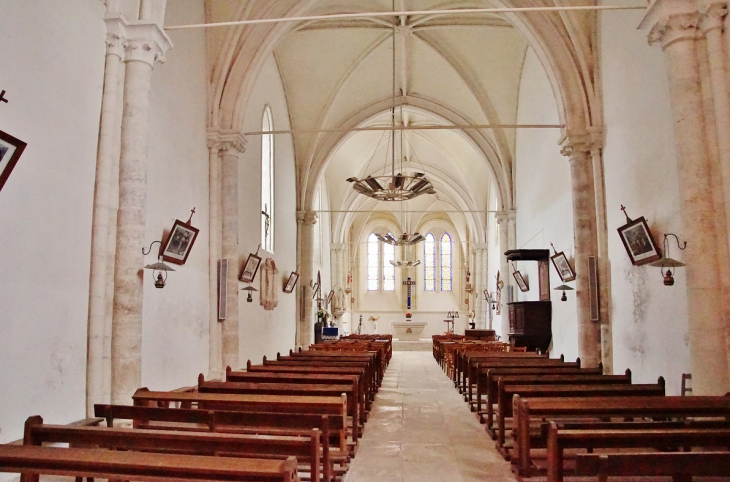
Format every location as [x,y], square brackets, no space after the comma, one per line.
[420,429]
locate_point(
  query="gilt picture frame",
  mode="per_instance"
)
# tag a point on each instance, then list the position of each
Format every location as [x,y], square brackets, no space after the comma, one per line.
[179,242]
[11,149]
[291,282]
[250,268]
[562,266]
[639,242]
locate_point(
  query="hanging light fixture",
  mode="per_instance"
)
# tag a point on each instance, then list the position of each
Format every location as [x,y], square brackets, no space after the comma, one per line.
[159,267]
[667,262]
[563,288]
[249,288]
[403,240]
[393,187]
[405,264]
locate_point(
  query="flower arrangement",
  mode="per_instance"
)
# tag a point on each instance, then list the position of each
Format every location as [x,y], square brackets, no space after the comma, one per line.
[408,316]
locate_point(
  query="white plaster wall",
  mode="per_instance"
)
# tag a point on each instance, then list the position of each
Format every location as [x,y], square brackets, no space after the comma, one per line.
[650,327]
[543,200]
[54,53]
[175,319]
[267,332]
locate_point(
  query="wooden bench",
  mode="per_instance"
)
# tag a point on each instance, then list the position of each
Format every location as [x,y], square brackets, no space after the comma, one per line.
[681,466]
[486,384]
[530,411]
[501,382]
[198,443]
[371,359]
[303,362]
[233,376]
[658,438]
[354,408]
[466,362]
[148,467]
[507,392]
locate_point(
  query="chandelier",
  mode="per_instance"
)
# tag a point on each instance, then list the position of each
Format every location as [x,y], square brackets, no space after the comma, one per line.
[404,240]
[393,187]
[405,264]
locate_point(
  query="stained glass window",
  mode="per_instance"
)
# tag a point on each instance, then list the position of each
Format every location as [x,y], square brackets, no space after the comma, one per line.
[446,262]
[429,263]
[388,269]
[373,245]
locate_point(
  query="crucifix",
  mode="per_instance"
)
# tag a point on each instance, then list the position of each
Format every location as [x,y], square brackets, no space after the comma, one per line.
[266,222]
[409,283]
[2,97]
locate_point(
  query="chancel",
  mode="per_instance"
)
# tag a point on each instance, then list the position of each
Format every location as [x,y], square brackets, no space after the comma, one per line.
[422,157]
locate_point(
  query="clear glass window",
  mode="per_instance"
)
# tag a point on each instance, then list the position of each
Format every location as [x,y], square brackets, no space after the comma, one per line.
[267,182]
[388,268]
[373,265]
[446,268]
[429,263]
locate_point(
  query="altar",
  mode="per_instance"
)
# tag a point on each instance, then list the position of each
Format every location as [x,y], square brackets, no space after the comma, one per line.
[408,330]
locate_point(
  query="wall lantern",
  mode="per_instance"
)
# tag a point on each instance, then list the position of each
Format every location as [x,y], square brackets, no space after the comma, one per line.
[564,288]
[667,262]
[159,267]
[249,288]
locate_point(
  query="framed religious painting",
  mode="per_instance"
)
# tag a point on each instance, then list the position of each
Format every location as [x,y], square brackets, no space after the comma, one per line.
[250,268]
[330,296]
[638,242]
[10,151]
[562,266]
[179,242]
[291,282]
[521,281]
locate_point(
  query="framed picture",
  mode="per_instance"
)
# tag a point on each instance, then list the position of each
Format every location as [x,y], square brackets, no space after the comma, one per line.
[250,268]
[521,281]
[10,151]
[329,297]
[179,242]
[638,242]
[291,282]
[562,266]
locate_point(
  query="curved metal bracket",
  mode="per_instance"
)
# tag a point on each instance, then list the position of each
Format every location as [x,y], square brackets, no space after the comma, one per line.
[675,237]
[149,250]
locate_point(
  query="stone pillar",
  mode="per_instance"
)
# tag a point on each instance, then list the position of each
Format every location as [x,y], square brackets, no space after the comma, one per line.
[677,33]
[100,228]
[305,223]
[338,255]
[215,226]
[146,44]
[505,219]
[480,283]
[577,147]
[231,144]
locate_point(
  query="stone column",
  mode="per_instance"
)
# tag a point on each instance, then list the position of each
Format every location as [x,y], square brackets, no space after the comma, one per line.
[146,44]
[677,34]
[305,222]
[338,253]
[480,283]
[215,348]
[504,220]
[577,147]
[231,144]
[102,213]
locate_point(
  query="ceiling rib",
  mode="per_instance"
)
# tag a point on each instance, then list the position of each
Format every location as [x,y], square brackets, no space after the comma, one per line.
[412,12]
[410,128]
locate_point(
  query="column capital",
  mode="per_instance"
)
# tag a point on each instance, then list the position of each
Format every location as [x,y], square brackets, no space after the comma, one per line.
[479,247]
[309,217]
[338,247]
[712,15]
[505,216]
[668,30]
[226,140]
[116,36]
[581,143]
[146,42]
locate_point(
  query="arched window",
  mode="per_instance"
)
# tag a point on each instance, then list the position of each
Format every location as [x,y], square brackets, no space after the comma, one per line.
[429,263]
[373,265]
[388,267]
[446,262]
[267,182]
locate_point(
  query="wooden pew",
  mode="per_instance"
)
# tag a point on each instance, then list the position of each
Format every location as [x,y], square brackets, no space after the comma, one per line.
[501,382]
[486,384]
[517,361]
[331,427]
[507,392]
[233,376]
[466,362]
[354,408]
[302,362]
[197,443]
[307,378]
[148,467]
[530,410]
[659,438]
[681,466]
[370,358]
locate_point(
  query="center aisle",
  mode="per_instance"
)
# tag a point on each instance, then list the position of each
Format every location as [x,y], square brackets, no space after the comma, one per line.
[420,429]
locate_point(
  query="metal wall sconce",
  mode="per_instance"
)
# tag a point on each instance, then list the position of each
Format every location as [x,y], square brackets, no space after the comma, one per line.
[564,288]
[667,262]
[249,288]
[158,267]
